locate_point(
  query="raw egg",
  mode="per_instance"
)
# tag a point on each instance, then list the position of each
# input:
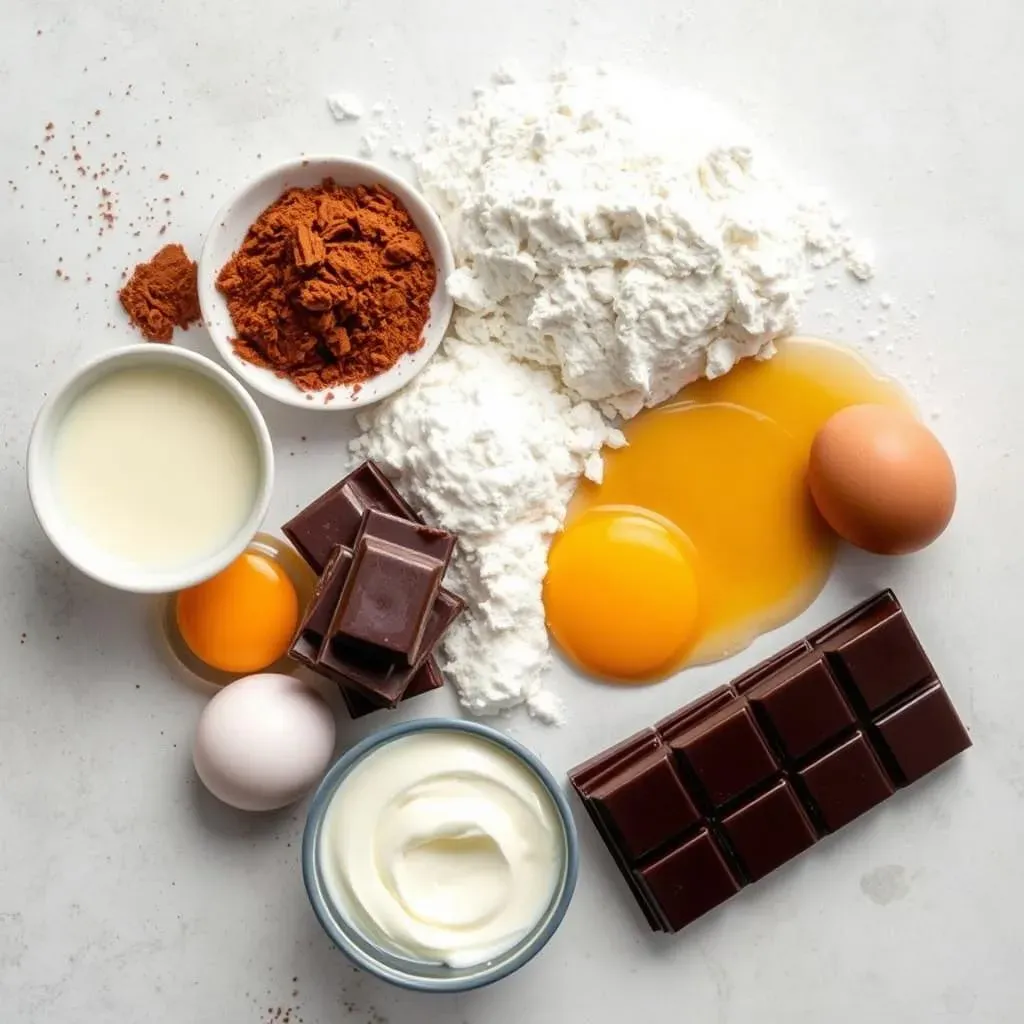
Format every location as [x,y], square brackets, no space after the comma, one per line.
[263,742]
[242,619]
[881,479]
[724,464]
[621,593]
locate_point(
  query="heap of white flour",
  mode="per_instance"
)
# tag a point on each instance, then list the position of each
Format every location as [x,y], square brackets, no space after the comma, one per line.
[630,240]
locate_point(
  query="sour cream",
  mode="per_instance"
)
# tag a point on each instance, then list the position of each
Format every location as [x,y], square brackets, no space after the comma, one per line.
[442,847]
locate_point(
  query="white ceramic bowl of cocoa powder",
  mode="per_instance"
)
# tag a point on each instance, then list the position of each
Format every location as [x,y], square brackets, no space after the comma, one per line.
[228,232]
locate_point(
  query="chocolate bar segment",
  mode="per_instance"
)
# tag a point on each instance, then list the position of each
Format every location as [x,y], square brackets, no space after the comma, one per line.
[646,804]
[387,596]
[739,782]
[802,705]
[877,653]
[923,732]
[315,624]
[687,881]
[316,620]
[336,516]
[726,752]
[408,533]
[846,781]
[378,674]
[427,679]
[768,830]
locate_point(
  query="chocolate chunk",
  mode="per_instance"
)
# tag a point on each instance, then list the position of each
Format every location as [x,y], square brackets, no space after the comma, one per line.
[427,679]
[387,597]
[387,649]
[382,675]
[316,620]
[745,778]
[424,540]
[336,516]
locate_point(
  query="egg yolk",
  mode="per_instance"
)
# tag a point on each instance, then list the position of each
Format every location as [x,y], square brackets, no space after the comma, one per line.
[621,594]
[243,619]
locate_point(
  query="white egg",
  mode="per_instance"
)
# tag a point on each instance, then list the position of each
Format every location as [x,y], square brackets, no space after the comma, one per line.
[263,742]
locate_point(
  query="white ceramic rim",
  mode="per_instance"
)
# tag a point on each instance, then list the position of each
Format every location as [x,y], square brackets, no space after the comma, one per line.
[227,233]
[65,538]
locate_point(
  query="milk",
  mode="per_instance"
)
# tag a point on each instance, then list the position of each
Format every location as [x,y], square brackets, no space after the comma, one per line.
[156,466]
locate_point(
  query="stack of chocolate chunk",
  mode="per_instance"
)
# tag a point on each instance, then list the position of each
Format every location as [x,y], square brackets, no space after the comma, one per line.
[379,609]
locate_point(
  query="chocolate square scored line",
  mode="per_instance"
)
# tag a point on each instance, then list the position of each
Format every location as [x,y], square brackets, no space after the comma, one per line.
[737,783]
[335,517]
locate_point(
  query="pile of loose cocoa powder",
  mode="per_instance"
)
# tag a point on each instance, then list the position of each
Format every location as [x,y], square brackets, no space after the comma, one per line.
[162,294]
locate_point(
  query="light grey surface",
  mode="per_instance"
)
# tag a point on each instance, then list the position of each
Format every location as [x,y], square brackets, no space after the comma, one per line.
[126,894]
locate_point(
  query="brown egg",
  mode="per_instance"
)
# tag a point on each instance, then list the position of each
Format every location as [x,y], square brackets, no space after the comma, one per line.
[881,479]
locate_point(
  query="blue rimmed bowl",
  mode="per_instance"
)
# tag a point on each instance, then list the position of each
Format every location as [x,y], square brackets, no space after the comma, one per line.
[415,974]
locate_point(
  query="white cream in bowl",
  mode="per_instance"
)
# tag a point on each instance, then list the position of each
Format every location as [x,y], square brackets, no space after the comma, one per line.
[442,847]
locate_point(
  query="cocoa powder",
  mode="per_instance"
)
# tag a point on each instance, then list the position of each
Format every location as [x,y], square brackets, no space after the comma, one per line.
[331,285]
[162,294]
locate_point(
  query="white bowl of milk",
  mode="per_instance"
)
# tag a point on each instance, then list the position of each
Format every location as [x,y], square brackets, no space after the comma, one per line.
[151,469]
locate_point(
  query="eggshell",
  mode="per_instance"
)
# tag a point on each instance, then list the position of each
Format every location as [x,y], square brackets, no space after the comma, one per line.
[881,479]
[263,742]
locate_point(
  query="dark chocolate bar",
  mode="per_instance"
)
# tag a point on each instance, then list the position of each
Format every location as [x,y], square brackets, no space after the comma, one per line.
[335,517]
[737,783]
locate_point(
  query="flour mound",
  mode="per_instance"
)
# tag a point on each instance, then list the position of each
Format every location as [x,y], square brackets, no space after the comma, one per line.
[630,237]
